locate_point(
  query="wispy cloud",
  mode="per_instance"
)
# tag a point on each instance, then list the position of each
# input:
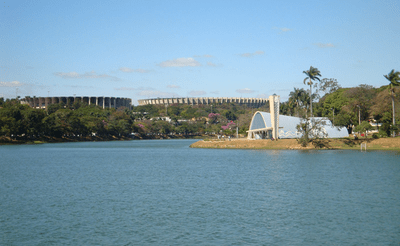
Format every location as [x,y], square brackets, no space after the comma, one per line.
[214,92]
[11,84]
[180,62]
[79,86]
[131,70]
[206,56]
[197,93]
[327,45]
[70,75]
[156,93]
[125,89]
[283,29]
[259,52]
[87,75]
[245,90]
[210,64]
[262,95]
[141,88]
[173,86]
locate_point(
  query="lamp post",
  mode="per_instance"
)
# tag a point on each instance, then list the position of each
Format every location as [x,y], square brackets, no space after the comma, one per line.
[359,114]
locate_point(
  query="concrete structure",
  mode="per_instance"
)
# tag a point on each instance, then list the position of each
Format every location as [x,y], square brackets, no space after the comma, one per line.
[274,110]
[204,100]
[272,125]
[104,102]
[261,127]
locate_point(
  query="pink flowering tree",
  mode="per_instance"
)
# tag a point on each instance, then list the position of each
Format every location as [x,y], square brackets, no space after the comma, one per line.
[213,118]
[139,128]
[229,128]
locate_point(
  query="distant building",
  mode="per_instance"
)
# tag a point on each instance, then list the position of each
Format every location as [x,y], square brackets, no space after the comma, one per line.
[104,102]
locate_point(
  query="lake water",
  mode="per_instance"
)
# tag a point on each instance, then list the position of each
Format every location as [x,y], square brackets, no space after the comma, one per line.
[161,192]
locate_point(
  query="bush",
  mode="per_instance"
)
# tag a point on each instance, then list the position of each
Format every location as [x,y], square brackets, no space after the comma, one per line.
[382,134]
[375,136]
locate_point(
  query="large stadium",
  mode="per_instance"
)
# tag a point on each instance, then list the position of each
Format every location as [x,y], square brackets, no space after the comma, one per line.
[256,102]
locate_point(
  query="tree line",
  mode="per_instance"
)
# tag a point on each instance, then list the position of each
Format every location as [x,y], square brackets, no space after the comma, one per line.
[79,121]
[349,107]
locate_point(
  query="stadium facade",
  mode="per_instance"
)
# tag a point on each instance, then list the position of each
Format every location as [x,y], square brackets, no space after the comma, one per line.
[204,100]
[104,102]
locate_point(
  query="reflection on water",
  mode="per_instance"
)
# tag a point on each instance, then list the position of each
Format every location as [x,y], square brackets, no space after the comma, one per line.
[162,193]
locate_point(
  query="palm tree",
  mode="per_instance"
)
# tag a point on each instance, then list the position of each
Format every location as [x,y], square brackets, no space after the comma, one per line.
[312,75]
[394,78]
[295,97]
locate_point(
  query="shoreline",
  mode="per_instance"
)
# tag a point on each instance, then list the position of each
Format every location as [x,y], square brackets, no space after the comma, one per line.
[241,143]
[291,144]
[8,141]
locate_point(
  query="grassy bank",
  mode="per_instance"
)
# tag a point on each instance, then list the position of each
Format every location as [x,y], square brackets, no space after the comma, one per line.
[343,143]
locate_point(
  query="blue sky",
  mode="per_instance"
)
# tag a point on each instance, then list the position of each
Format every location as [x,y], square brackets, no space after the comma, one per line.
[148,49]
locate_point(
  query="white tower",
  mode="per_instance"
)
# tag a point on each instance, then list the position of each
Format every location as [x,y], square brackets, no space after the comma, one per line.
[274,111]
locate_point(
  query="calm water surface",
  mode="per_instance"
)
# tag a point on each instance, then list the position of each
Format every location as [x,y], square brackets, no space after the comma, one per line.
[161,192]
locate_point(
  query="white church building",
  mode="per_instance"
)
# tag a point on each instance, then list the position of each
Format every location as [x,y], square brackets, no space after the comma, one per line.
[272,125]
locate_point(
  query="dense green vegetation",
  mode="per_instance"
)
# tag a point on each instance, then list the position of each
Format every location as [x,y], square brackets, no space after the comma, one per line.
[347,107]
[364,102]
[353,108]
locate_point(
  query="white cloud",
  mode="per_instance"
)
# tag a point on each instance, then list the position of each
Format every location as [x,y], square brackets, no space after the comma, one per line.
[211,64]
[87,75]
[259,52]
[214,92]
[197,93]
[173,86]
[155,93]
[245,90]
[328,45]
[130,70]
[10,84]
[180,62]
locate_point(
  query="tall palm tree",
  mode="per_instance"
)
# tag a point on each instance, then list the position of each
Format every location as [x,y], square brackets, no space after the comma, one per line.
[312,75]
[394,78]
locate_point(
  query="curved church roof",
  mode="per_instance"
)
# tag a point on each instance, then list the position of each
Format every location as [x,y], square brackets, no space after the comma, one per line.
[287,125]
